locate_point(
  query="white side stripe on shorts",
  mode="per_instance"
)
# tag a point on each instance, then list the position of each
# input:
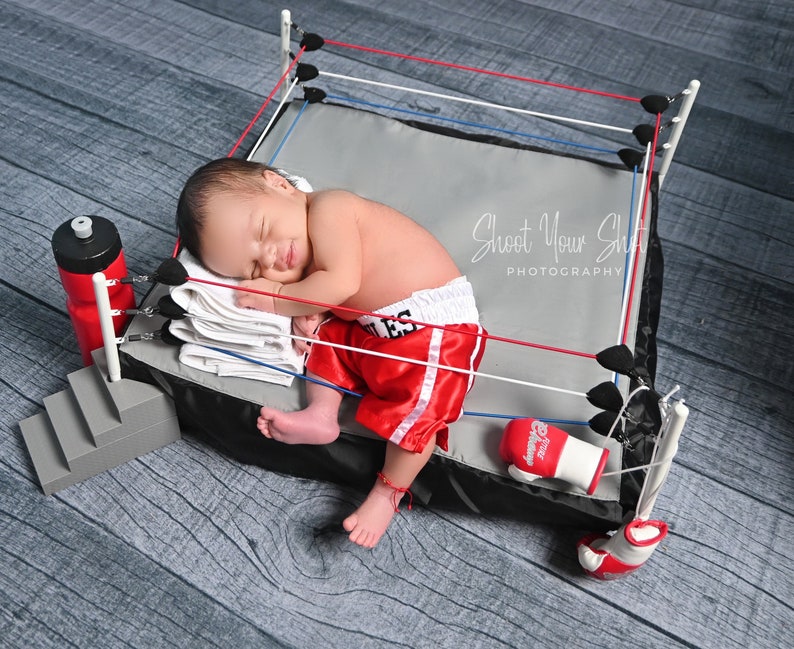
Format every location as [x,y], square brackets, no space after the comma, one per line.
[428,383]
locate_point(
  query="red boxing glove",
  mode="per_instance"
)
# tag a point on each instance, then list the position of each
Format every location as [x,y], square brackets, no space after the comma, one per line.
[610,557]
[534,449]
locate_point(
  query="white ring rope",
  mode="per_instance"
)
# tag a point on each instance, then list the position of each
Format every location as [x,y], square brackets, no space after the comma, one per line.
[639,468]
[476,102]
[276,113]
[434,365]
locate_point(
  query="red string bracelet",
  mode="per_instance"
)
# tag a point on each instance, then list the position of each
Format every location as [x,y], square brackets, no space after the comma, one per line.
[398,493]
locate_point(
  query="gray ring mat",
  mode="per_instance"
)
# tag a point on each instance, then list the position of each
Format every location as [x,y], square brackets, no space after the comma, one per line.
[540,236]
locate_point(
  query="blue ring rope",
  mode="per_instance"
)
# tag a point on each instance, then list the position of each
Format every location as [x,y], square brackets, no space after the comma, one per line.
[287,134]
[628,250]
[357,394]
[475,124]
[283,369]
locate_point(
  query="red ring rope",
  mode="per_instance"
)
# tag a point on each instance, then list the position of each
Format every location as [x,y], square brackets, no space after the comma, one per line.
[360,312]
[266,102]
[467,68]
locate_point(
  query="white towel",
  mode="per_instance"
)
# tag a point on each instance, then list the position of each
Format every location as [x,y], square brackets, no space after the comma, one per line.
[209,360]
[214,320]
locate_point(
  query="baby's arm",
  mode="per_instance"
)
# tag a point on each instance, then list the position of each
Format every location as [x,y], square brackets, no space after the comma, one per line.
[336,264]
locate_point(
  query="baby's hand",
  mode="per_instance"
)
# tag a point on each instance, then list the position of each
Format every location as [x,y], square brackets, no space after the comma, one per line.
[306,325]
[257,301]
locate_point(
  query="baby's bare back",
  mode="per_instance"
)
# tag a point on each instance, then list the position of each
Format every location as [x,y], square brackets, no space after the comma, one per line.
[399,257]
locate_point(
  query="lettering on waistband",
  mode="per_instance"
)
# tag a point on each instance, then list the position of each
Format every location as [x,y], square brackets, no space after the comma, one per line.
[391,328]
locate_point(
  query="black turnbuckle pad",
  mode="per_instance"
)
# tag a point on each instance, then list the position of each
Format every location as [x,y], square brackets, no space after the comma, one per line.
[167,337]
[168,308]
[314,95]
[606,396]
[617,358]
[605,423]
[644,133]
[306,72]
[631,157]
[656,104]
[171,272]
[311,42]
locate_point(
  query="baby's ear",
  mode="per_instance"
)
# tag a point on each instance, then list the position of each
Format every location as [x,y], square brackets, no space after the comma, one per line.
[275,180]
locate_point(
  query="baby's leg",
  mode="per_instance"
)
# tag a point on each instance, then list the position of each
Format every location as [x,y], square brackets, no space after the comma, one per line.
[316,424]
[368,523]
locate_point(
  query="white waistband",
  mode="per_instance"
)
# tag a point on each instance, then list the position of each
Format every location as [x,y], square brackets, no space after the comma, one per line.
[452,303]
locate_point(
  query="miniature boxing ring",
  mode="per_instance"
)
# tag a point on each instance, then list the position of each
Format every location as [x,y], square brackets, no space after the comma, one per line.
[561,247]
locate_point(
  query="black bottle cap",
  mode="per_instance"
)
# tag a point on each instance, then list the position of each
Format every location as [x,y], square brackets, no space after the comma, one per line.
[86,245]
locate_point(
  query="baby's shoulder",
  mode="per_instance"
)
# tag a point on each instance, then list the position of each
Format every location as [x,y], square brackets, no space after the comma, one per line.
[333,202]
[333,196]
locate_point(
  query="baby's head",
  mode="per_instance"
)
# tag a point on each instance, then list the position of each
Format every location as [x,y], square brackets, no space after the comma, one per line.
[225,175]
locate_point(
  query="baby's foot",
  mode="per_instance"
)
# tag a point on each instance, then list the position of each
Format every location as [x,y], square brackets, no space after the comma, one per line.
[368,523]
[299,427]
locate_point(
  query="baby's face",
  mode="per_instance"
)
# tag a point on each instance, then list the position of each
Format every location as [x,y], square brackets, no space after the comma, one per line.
[257,234]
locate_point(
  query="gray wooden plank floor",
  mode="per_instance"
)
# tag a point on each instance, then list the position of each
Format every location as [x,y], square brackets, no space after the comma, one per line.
[105,108]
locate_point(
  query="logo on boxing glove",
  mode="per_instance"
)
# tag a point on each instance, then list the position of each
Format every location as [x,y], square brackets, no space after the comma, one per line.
[538,434]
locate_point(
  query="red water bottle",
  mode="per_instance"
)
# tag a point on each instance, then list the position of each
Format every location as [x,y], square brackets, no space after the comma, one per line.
[84,246]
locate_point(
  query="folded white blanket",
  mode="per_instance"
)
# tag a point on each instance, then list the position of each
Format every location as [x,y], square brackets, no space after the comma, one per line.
[214,320]
[204,358]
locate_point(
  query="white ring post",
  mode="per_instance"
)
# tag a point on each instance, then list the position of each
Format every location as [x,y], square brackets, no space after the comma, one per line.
[286,32]
[675,134]
[106,325]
